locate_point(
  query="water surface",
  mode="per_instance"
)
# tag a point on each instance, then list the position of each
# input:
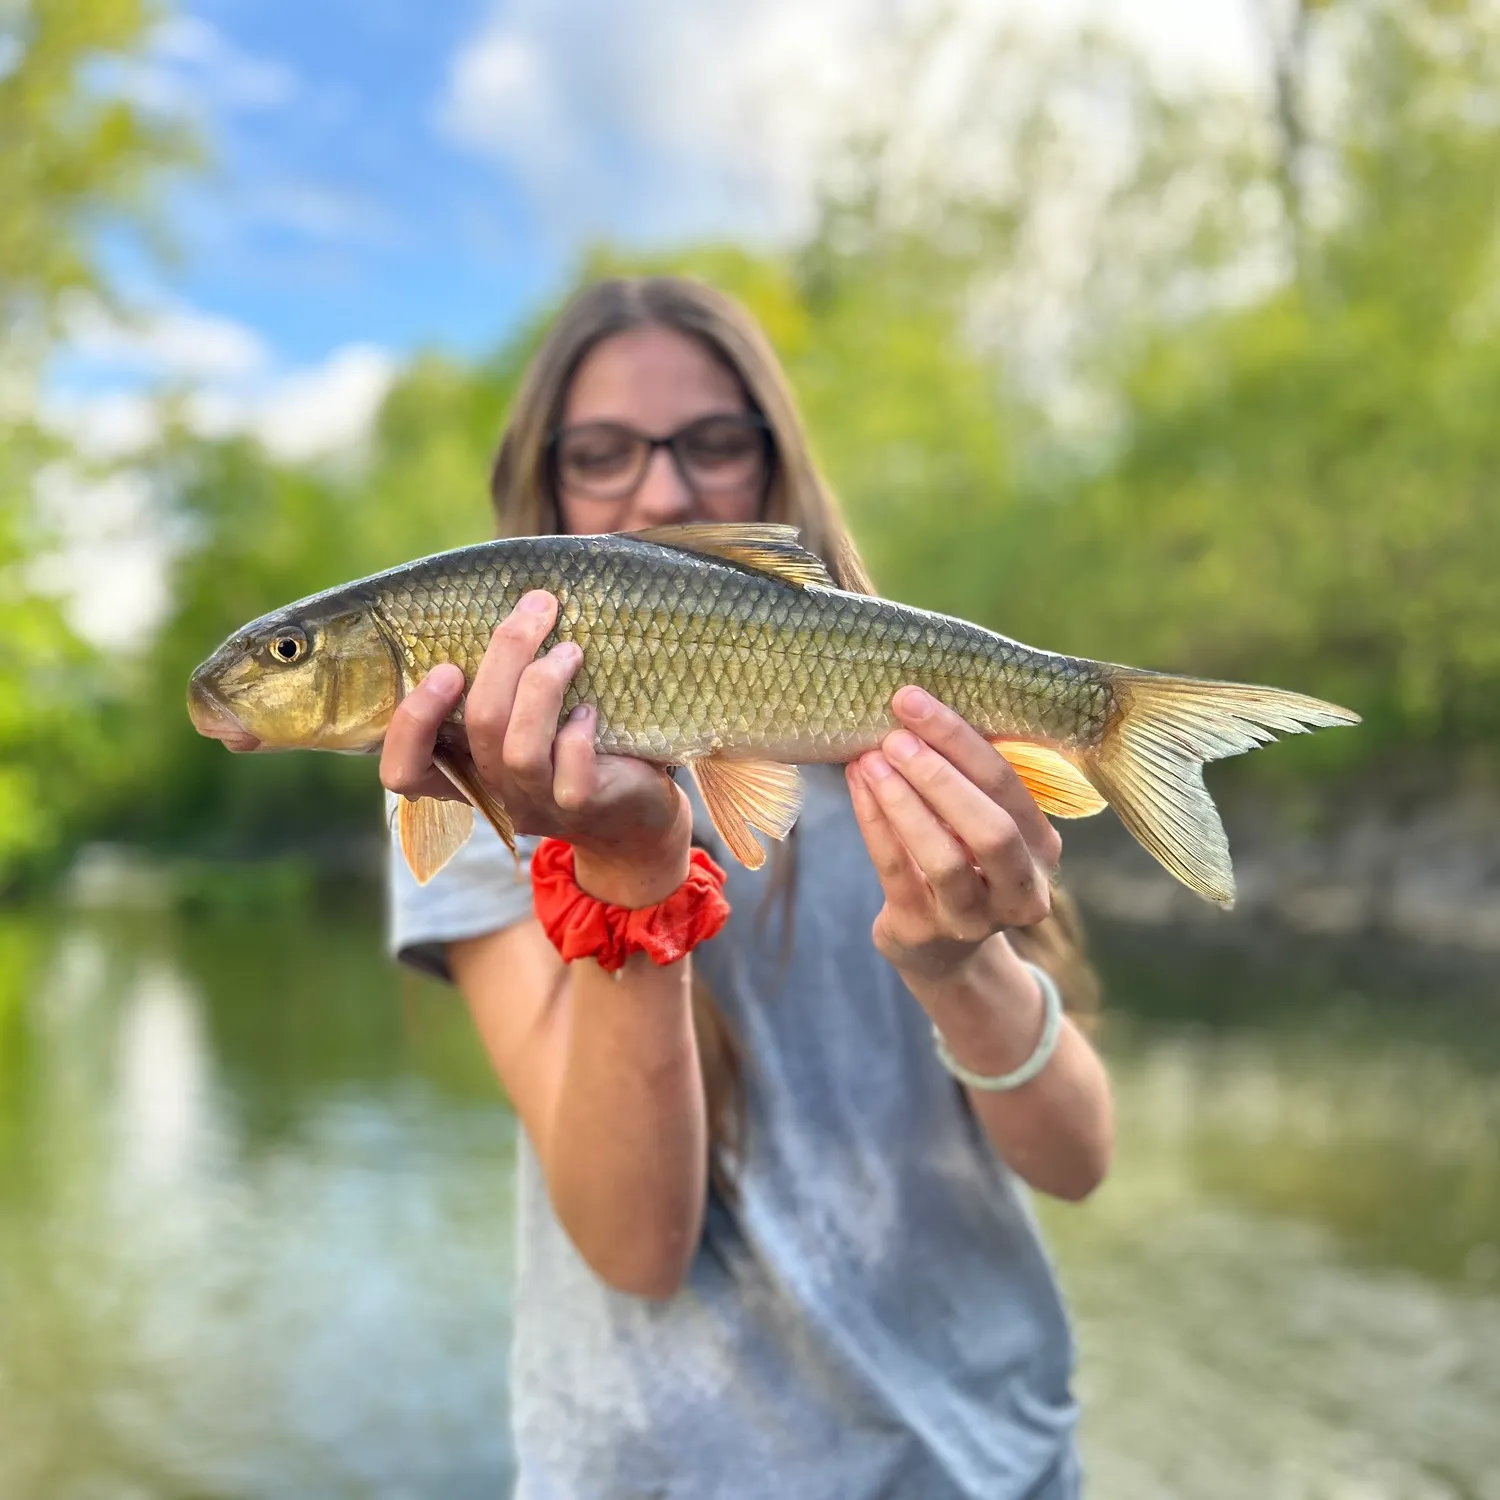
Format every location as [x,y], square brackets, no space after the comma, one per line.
[256,1220]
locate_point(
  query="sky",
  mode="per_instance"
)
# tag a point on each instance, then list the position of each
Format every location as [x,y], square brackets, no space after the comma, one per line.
[389,175]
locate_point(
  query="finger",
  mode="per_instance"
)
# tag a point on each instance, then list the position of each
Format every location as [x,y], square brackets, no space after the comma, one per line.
[575,772]
[903,883]
[1013,875]
[527,752]
[512,648]
[944,862]
[961,744]
[979,822]
[406,756]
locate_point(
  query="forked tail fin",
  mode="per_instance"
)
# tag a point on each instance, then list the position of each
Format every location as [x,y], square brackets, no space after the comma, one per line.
[1150,763]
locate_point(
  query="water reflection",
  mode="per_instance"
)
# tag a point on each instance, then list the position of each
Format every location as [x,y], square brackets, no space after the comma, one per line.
[297,1288]
[1252,1315]
[164,1117]
[255,1224]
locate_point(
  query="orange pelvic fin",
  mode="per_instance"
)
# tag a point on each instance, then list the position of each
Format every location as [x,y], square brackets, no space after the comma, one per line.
[742,795]
[458,767]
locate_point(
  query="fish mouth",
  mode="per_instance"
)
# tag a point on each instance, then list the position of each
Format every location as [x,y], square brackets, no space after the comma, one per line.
[215,722]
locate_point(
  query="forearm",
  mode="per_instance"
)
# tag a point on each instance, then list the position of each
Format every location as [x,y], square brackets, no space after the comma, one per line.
[627,1149]
[1057,1131]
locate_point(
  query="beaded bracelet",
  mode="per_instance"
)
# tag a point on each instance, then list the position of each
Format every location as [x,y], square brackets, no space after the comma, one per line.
[1040,1057]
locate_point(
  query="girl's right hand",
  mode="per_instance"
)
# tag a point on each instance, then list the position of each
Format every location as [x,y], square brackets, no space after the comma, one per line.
[628,820]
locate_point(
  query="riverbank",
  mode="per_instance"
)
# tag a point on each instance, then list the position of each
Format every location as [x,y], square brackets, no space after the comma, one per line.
[1386,866]
[1427,872]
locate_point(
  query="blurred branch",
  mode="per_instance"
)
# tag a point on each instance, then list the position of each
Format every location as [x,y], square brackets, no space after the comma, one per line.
[1285,24]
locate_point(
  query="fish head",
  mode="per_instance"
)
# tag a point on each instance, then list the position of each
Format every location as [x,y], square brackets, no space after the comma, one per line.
[309,677]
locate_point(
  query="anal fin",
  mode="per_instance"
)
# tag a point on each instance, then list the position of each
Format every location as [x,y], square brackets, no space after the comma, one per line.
[742,795]
[1058,786]
[432,831]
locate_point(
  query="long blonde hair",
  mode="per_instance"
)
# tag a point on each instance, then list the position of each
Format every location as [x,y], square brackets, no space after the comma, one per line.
[526,504]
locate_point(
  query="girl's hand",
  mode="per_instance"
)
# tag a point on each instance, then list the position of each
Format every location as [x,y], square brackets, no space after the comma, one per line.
[962,850]
[628,821]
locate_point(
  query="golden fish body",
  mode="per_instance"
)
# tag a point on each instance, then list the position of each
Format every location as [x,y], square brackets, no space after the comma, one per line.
[726,648]
[686,656]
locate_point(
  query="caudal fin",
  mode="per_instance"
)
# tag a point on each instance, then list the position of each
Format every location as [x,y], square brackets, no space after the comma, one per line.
[1150,763]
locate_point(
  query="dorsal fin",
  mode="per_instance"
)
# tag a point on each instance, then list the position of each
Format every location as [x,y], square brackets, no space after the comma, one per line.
[759,545]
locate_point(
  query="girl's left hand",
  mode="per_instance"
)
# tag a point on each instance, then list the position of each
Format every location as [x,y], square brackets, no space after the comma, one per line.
[961,849]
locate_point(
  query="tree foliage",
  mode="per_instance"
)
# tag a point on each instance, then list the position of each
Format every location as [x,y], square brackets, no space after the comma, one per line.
[1231,444]
[76,157]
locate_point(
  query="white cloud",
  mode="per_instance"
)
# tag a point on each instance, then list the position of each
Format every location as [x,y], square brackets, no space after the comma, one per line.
[11,53]
[663,118]
[304,414]
[327,409]
[103,426]
[317,211]
[669,118]
[190,67]
[174,343]
[115,541]
[111,562]
[239,76]
[107,401]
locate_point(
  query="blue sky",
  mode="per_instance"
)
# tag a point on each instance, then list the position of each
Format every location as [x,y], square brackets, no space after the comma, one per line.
[400,173]
[339,212]
[388,175]
[405,174]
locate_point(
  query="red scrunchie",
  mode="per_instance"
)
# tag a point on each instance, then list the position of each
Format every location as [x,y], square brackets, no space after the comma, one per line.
[581,926]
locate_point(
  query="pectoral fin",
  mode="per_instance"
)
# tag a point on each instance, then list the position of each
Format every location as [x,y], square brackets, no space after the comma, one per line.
[432,831]
[1058,786]
[745,794]
[456,764]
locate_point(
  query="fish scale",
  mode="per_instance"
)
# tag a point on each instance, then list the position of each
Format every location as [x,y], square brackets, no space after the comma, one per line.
[686,656]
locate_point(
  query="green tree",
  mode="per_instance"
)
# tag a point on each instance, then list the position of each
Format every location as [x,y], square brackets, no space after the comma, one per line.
[1290,469]
[1232,460]
[76,159]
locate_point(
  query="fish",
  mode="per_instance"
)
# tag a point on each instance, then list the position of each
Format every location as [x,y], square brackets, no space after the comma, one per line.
[727,649]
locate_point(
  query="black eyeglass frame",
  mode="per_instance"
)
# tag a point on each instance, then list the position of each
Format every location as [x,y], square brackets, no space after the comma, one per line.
[749,419]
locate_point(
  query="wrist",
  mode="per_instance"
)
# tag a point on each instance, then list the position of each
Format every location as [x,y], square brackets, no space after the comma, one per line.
[988,1006]
[988,1081]
[582,925]
[639,874]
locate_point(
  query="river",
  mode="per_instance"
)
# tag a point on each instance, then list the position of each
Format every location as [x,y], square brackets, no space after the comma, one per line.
[256,1202]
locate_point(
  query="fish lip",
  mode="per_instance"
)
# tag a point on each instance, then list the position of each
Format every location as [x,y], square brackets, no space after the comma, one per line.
[213,720]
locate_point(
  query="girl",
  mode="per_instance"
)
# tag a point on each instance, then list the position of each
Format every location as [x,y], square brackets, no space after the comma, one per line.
[772,1238]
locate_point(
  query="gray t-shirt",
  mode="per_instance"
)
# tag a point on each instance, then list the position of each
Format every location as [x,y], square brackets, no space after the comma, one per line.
[875,1318]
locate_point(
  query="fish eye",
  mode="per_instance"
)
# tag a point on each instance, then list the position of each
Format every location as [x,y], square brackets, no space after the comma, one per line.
[289,646]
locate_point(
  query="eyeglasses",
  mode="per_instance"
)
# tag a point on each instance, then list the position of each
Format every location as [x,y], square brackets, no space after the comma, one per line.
[608,461]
